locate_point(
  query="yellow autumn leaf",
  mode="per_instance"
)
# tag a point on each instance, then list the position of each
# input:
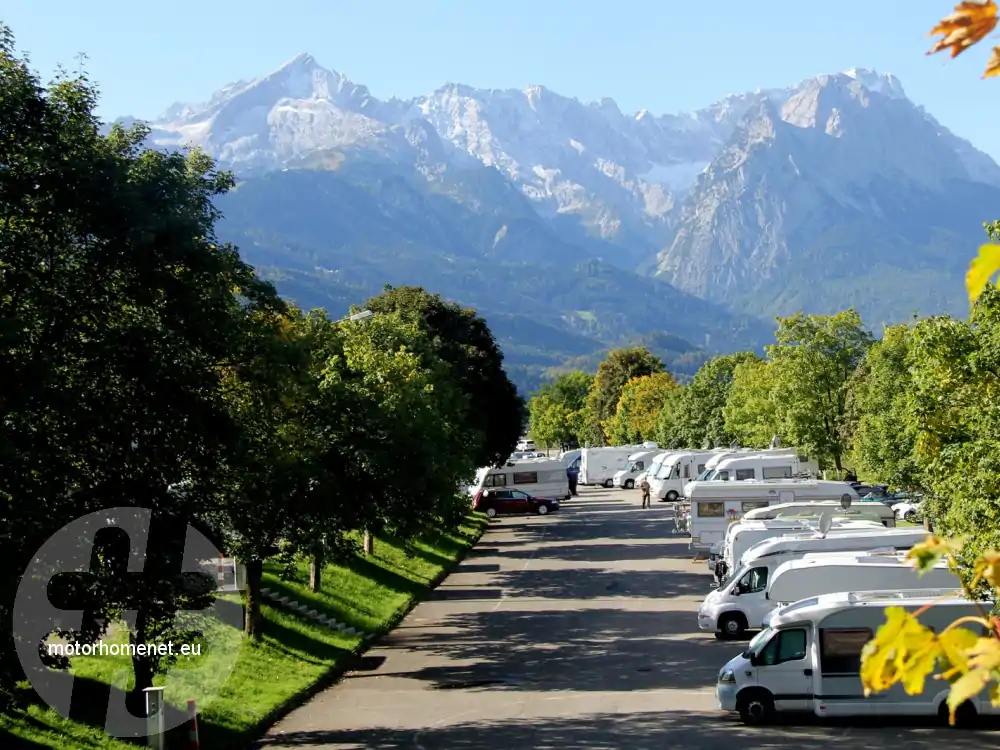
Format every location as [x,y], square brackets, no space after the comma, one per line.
[995,694]
[981,270]
[902,651]
[968,25]
[927,554]
[993,64]
[985,654]
[988,567]
[955,645]
[965,687]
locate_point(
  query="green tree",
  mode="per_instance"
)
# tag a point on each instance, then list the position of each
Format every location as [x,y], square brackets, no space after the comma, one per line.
[814,359]
[557,409]
[879,424]
[753,411]
[639,407]
[613,373]
[463,340]
[697,418]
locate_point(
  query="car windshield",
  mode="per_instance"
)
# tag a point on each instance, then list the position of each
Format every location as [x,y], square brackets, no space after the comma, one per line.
[758,642]
[740,571]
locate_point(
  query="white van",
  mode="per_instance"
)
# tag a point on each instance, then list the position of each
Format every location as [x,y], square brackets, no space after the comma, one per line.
[742,535]
[598,466]
[675,470]
[741,603]
[809,660]
[829,572]
[722,454]
[796,511]
[637,464]
[763,466]
[540,477]
[714,505]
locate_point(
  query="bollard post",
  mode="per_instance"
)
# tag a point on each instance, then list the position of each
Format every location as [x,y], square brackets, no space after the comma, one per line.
[193,742]
[154,718]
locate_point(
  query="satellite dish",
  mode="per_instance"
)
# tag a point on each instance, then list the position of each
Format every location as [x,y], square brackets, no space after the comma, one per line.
[776,442]
[825,522]
[845,501]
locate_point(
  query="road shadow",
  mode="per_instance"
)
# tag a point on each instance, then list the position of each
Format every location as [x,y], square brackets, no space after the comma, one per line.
[594,649]
[651,730]
[599,552]
[591,583]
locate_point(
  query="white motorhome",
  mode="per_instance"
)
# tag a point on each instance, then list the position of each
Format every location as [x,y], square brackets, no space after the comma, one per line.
[598,466]
[809,660]
[740,602]
[785,465]
[675,470]
[805,510]
[637,464]
[829,572]
[743,535]
[540,477]
[571,457]
[714,505]
[723,454]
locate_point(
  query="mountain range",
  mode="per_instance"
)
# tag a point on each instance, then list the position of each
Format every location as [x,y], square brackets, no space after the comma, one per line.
[573,227]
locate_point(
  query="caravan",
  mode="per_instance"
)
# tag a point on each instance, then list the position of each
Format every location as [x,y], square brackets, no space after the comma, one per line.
[637,464]
[539,477]
[785,465]
[741,603]
[714,505]
[809,660]
[598,466]
[675,470]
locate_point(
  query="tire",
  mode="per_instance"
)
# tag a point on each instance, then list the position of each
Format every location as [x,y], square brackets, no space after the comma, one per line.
[966,716]
[491,512]
[756,707]
[609,484]
[910,515]
[629,484]
[732,625]
[543,509]
[671,497]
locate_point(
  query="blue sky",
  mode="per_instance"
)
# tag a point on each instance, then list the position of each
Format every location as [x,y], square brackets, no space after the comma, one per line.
[664,56]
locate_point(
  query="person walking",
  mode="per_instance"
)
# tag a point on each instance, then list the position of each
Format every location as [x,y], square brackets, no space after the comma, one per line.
[644,486]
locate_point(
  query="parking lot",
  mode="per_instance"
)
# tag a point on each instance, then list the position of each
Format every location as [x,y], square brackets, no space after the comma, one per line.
[575,630]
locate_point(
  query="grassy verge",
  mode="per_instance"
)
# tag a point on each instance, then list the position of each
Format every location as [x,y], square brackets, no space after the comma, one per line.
[296,658]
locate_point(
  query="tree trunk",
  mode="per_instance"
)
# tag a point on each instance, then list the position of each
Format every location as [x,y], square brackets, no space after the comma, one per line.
[928,525]
[142,668]
[368,543]
[316,567]
[252,625]
[836,462]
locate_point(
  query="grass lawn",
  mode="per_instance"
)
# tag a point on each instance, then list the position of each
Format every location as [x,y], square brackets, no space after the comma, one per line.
[295,658]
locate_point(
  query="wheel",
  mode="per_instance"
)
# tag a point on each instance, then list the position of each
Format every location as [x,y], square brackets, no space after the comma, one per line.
[671,497]
[629,484]
[910,515]
[756,707]
[610,483]
[966,715]
[732,625]
[542,509]
[491,512]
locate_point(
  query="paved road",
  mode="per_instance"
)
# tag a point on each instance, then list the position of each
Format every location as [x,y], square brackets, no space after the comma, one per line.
[575,630]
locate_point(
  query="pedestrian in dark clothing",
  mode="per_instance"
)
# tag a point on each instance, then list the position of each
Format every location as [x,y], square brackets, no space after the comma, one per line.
[644,486]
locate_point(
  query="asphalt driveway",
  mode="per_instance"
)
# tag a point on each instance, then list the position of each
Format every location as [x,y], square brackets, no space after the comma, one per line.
[575,630]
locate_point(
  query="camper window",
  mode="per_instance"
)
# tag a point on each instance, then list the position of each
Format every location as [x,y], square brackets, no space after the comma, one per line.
[787,645]
[496,480]
[701,469]
[840,649]
[753,505]
[676,473]
[638,466]
[742,474]
[754,582]
[527,477]
[777,472]
[721,476]
[711,510]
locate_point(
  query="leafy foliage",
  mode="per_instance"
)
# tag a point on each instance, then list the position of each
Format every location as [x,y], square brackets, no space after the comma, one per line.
[639,407]
[557,410]
[621,366]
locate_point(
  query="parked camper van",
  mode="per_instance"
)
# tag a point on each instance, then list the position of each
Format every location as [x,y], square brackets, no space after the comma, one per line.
[786,465]
[810,660]
[677,469]
[797,511]
[724,454]
[598,466]
[540,477]
[714,505]
[740,602]
[571,457]
[829,572]
[637,464]
[742,535]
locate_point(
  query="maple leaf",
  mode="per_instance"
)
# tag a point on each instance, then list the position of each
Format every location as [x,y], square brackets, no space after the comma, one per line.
[969,24]
[993,64]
